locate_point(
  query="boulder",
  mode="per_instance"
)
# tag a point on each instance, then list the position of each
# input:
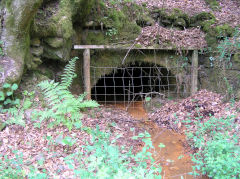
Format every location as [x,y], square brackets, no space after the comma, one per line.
[35,42]
[61,53]
[54,42]
[53,54]
[10,70]
[37,51]
[17,16]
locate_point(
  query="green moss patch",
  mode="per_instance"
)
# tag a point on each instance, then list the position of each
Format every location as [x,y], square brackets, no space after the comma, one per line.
[214,4]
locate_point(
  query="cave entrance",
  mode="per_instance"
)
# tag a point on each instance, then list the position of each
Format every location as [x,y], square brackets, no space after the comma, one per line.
[137,81]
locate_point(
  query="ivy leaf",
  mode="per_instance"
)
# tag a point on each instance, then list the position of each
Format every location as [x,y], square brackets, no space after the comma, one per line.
[8,101]
[2,97]
[14,87]
[6,85]
[9,93]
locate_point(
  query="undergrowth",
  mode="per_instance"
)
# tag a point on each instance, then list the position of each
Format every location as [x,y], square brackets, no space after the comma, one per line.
[62,106]
[100,157]
[216,140]
[217,144]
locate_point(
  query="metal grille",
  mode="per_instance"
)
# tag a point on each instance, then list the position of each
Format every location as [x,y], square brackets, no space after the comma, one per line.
[139,82]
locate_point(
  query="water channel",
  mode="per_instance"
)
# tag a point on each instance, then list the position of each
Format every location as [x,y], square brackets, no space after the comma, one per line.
[175,157]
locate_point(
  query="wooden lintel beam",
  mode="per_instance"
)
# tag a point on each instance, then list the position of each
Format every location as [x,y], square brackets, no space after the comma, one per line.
[79,47]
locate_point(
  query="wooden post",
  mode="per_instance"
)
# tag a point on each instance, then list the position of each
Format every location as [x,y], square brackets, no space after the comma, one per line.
[86,72]
[194,75]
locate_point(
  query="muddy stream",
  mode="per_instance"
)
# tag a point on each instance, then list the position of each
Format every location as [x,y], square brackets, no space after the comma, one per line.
[174,157]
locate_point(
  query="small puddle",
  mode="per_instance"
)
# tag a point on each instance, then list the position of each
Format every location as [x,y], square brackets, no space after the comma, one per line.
[174,161]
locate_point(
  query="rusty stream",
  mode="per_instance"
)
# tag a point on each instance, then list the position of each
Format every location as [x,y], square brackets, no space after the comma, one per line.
[174,160]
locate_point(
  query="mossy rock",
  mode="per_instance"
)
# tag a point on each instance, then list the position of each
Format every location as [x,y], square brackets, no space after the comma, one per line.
[178,14]
[54,42]
[180,22]
[53,53]
[54,21]
[96,38]
[37,51]
[35,42]
[144,20]
[201,17]
[224,30]
[175,18]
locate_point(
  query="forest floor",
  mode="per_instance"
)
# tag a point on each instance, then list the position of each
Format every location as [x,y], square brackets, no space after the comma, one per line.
[165,124]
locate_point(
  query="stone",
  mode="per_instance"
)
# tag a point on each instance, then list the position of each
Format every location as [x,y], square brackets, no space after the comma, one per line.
[35,42]
[10,70]
[54,42]
[15,34]
[53,54]
[61,54]
[37,60]
[37,51]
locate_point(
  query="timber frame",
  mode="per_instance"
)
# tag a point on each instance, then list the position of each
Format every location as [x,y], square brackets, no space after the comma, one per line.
[87,59]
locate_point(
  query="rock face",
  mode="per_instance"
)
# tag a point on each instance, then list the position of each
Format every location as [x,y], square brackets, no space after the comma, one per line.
[17,16]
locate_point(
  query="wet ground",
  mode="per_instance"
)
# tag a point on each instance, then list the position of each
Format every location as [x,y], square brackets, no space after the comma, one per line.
[173,155]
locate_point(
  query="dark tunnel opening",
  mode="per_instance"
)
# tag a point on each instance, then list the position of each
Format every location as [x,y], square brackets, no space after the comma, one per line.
[133,82]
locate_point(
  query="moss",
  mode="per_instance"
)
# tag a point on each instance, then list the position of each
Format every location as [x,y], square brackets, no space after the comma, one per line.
[115,19]
[81,10]
[122,22]
[96,38]
[217,32]
[201,18]
[58,24]
[180,22]
[207,25]
[175,18]
[177,14]
[224,30]
[7,4]
[213,4]
[138,46]
[129,32]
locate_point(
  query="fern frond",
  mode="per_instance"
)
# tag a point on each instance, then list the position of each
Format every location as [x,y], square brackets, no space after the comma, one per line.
[61,101]
[69,73]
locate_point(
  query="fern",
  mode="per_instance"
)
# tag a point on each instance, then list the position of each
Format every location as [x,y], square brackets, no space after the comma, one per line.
[69,73]
[62,106]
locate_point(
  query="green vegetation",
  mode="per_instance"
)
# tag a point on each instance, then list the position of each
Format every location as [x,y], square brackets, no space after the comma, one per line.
[216,140]
[1,48]
[214,4]
[101,158]
[6,96]
[218,153]
[60,101]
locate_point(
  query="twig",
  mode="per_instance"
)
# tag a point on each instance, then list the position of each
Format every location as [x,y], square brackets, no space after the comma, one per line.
[130,49]
[128,52]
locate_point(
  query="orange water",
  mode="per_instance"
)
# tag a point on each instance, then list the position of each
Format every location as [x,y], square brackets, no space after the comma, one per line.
[175,161]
